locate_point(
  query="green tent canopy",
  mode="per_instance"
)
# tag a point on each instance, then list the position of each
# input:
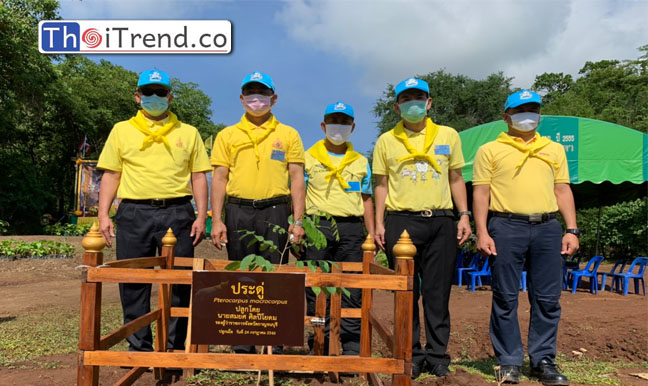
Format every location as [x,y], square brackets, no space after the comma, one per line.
[597,151]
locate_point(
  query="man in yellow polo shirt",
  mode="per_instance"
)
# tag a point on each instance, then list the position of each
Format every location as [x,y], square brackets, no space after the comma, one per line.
[523,179]
[154,163]
[259,164]
[418,175]
[339,185]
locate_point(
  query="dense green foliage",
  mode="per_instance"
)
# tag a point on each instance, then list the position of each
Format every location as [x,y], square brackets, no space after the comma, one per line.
[609,90]
[49,104]
[59,229]
[15,249]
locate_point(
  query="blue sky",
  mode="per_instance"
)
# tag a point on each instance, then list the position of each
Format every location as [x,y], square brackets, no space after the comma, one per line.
[322,51]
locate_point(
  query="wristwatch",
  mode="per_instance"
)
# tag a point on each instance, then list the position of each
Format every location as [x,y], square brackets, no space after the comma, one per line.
[465,212]
[574,231]
[299,224]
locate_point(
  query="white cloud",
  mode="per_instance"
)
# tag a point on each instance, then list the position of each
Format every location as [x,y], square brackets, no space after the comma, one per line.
[123,9]
[391,40]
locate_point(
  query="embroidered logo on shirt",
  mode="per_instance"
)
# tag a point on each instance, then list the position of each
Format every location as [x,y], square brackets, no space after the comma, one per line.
[155,77]
[277,144]
[179,143]
[411,82]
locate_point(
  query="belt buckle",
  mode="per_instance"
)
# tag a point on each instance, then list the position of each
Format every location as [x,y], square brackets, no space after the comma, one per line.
[158,202]
[535,217]
[427,213]
[254,204]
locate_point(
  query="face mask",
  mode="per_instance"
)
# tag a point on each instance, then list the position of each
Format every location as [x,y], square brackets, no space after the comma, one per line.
[338,134]
[525,121]
[257,104]
[413,111]
[154,105]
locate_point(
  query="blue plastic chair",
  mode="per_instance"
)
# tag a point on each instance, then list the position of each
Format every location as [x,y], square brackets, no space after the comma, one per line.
[620,265]
[461,256]
[624,278]
[590,271]
[461,272]
[485,271]
[523,281]
[573,264]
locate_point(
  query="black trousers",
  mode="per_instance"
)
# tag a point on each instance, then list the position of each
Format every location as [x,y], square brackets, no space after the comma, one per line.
[140,229]
[536,246]
[436,253]
[261,221]
[347,249]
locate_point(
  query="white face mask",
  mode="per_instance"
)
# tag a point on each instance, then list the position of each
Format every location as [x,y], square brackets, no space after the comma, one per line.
[338,134]
[525,121]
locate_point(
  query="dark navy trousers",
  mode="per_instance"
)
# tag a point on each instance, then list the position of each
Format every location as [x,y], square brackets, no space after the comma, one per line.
[536,246]
[140,229]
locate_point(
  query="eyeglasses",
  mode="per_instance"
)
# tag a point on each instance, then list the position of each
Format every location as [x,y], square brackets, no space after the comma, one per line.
[161,92]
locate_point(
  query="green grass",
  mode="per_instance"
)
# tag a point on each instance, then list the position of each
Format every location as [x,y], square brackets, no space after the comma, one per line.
[225,378]
[584,371]
[26,338]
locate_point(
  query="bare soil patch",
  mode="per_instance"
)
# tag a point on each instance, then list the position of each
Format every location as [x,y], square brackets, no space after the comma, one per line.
[606,327]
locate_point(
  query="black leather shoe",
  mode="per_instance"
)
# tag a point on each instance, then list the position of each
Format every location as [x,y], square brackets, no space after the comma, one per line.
[416,369]
[439,370]
[509,374]
[547,374]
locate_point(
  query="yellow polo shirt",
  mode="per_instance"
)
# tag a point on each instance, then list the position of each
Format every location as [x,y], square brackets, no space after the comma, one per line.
[329,196]
[261,178]
[528,189]
[414,185]
[155,172]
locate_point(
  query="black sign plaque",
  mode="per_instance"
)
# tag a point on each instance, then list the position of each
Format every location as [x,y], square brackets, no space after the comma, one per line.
[248,308]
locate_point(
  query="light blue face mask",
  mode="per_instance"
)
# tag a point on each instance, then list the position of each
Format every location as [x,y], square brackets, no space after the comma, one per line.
[154,105]
[413,111]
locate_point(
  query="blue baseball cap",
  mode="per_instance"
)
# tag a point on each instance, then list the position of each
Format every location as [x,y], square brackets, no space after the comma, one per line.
[154,77]
[259,77]
[411,83]
[339,107]
[522,97]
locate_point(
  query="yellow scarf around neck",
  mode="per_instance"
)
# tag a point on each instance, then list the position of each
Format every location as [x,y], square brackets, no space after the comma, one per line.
[320,153]
[431,131]
[139,121]
[529,149]
[270,125]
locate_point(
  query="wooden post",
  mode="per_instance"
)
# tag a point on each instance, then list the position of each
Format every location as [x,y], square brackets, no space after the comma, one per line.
[335,318]
[90,315]
[404,251]
[190,347]
[169,242]
[368,254]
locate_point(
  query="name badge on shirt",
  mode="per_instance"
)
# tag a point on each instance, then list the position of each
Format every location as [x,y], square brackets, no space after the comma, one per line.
[278,155]
[442,149]
[354,186]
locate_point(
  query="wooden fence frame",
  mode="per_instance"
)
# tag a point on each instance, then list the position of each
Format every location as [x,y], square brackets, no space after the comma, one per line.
[369,276]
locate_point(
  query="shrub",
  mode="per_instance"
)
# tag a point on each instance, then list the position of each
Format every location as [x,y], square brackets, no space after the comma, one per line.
[16,249]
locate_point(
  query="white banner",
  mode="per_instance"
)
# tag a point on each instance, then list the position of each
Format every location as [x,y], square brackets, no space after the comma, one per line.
[135,37]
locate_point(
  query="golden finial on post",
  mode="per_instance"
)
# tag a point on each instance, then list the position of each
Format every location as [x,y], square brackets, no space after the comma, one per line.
[169,240]
[369,245]
[404,248]
[93,240]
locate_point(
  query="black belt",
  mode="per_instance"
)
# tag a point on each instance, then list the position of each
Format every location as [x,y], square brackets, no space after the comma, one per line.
[423,213]
[531,218]
[259,204]
[347,218]
[160,202]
